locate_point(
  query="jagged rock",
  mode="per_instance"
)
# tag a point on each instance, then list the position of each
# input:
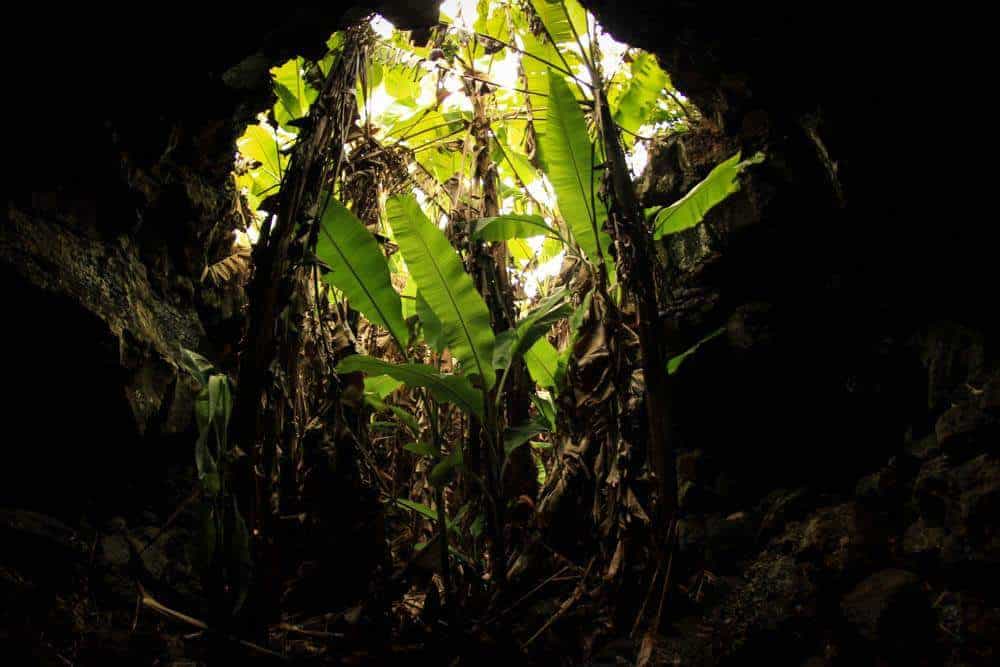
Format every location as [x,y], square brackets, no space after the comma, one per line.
[716,540]
[886,488]
[779,599]
[886,605]
[932,489]
[924,449]
[729,539]
[923,541]
[971,626]
[41,572]
[783,506]
[108,283]
[750,326]
[841,539]
[768,616]
[973,425]
[953,354]
[965,430]
[958,507]
[677,163]
[40,545]
[874,488]
[979,483]
[690,313]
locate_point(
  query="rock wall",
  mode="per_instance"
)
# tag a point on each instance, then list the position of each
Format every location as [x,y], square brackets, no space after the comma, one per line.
[838,444]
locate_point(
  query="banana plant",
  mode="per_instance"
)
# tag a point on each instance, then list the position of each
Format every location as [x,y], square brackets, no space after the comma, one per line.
[225,552]
[355,265]
[452,313]
[545,135]
[692,208]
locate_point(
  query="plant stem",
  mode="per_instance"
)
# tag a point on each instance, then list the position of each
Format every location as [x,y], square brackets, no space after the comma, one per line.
[442,515]
[638,279]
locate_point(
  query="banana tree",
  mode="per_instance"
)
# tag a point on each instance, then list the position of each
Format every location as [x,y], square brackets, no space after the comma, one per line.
[512,130]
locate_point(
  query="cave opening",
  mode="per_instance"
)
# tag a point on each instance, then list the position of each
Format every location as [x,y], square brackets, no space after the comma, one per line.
[535,331]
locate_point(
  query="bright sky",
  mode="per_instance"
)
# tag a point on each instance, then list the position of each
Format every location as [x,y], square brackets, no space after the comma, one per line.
[505,71]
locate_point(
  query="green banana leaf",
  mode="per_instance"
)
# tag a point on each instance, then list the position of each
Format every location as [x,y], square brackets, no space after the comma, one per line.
[636,103]
[675,362]
[445,388]
[506,227]
[515,342]
[445,287]
[294,94]
[569,159]
[542,360]
[433,333]
[690,209]
[564,19]
[359,269]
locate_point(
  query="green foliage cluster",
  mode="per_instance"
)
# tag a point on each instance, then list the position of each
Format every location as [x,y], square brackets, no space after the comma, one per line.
[532,73]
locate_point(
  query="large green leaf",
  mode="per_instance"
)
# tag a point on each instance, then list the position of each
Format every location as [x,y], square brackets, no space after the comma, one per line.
[381,386]
[675,362]
[421,448]
[294,94]
[425,511]
[444,470]
[518,435]
[335,46]
[402,81]
[569,161]
[635,104]
[259,143]
[536,71]
[514,164]
[208,469]
[491,20]
[513,343]
[407,419]
[445,388]
[418,508]
[690,209]
[505,227]
[433,333]
[564,19]
[542,400]
[444,285]
[359,269]
[542,360]
[195,364]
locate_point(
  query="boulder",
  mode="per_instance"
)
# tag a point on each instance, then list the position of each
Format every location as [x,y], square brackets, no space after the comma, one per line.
[778,600]
[843,539]
[970,624]
[887,604]
[783,506]
[957,507]
[97,364]
[972,425]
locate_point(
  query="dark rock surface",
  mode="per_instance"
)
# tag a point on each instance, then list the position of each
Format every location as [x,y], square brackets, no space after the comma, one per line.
[901,571]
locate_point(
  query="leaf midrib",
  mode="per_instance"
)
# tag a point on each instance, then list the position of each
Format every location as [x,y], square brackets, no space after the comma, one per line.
[360,282]
[542,364]
[589,205]
[451,297]
[427,375]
